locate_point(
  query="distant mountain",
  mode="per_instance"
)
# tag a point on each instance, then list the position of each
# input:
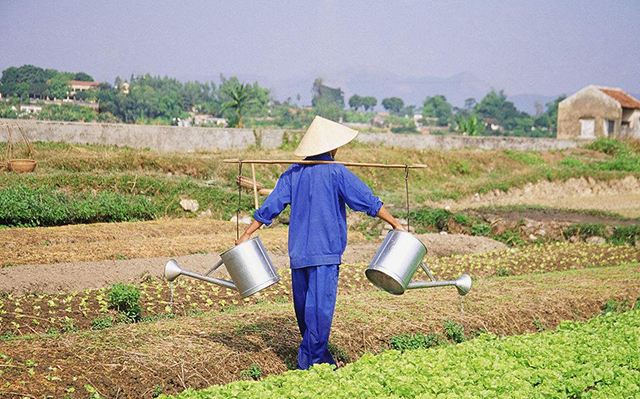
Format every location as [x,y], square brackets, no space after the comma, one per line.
[382,84]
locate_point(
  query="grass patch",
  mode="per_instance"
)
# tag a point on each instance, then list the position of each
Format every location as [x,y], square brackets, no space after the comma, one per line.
[24,206]
[525,157]
[145,184]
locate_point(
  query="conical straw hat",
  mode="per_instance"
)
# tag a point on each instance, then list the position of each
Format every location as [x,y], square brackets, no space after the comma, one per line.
[323,136]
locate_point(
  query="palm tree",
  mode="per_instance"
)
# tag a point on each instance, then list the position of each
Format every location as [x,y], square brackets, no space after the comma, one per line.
[240,96]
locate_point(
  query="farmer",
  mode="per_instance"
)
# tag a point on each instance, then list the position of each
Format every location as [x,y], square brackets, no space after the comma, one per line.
[317,230]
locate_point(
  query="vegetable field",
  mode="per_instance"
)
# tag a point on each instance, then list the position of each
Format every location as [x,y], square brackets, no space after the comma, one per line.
[85,314]
[596,359]
[91,309]
[170,355]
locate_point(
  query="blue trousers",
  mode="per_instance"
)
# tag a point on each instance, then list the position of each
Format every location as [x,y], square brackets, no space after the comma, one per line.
[314,300]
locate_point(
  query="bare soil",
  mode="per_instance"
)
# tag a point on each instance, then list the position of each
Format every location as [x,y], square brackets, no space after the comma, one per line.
[80,257]
[551,215]
[131,361]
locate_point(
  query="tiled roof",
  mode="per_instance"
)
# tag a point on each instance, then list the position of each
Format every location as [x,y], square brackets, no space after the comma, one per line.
[82,83]
[623,98]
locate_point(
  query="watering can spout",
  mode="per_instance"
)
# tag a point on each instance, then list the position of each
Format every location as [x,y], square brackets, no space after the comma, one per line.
[172,271]
[462,284]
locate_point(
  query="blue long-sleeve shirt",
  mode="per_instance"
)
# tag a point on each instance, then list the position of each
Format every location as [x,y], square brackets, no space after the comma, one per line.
[317,195]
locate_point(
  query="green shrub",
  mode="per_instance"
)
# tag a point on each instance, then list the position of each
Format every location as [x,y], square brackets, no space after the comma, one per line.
[101,323]
[404,342]
[125,299]
[585,230]
[526,158]
[254,372]
[625,235]
[606,145]
[611,306]
[510,238]
[461,219]
[480,229]
[502,272]
[157,391]
[460,168]
[290,141]
[339,353]
[431,218]
[625,159]
[454,331]
[69,325]
[8,335]
[405,130]
[572,163]
[623,162]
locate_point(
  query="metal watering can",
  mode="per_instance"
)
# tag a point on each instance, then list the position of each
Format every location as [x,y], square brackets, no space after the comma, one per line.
[248,265]
[397,260]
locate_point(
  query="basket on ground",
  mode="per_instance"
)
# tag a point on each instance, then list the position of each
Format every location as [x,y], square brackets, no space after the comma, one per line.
[22,165]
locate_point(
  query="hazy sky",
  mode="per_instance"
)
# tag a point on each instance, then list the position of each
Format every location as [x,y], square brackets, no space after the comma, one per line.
[546,47]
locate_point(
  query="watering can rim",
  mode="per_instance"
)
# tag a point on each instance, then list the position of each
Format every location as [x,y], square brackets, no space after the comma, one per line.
[257,238]
[410,235]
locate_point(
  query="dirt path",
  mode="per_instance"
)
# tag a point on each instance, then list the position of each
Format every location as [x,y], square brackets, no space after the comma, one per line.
[130,361]
[79,276]
[619,196]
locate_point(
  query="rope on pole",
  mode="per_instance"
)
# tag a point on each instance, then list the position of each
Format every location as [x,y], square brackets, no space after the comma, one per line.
[406,184]
[239,201]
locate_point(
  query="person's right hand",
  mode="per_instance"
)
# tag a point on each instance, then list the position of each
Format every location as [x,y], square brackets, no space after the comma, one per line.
[243,238]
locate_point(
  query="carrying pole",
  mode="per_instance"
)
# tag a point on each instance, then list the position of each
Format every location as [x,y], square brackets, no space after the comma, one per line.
[304,162]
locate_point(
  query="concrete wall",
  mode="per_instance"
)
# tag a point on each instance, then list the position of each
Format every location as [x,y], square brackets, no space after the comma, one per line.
[187,139]
[589,103]
[160,138]
[453,142]
[632,116]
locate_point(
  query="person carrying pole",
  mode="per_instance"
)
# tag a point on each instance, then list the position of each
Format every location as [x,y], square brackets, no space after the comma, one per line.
[317,230]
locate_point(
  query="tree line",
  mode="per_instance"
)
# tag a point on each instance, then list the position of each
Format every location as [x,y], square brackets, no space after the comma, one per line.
[151,99]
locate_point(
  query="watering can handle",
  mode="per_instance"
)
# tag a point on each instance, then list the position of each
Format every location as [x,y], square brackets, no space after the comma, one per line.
[429,273]
[214,267]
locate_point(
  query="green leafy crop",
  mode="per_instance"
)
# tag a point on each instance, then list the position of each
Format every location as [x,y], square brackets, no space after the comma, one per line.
[598,359]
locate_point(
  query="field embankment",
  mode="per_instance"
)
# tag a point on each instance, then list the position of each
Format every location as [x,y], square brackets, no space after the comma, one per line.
[86,184]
